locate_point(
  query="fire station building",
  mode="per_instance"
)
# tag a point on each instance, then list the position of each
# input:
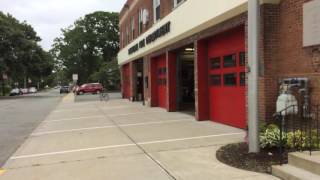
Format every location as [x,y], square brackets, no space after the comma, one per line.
[191,55]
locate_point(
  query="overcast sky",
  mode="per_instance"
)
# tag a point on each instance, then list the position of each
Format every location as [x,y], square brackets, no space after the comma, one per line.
[48,16]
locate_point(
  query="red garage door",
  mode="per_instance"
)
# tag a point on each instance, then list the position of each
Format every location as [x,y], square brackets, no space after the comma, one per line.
[160,80]
[126,81]
[227,78]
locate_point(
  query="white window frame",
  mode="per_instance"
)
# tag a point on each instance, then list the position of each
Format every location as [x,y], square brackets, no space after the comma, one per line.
[156,4]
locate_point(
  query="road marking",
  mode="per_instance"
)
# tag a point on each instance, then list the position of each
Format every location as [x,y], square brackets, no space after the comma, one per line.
[118,146]
[73,109]
[159,122]
[111,126]
[116,115]
[2,171]
[68,97]
[115,107]
[71,119]
[71,130]
[190,138]
[71,151]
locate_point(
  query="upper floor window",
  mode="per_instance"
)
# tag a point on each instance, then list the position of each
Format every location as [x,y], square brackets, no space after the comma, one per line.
[156,10]
[132,28]
[177,2]
[140,21]
[127,35]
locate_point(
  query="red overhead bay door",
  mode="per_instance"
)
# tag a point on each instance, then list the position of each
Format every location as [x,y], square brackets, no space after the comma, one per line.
[226,54]
[160,81]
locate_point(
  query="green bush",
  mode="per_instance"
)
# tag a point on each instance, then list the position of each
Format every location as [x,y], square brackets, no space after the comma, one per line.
[270,137]
[301,139]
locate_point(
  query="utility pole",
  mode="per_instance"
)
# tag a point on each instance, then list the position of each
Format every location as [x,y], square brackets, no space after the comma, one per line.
[253,74]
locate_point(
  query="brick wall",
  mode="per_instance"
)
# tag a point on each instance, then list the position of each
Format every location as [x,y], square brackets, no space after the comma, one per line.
[295,60]
[131,10]
[283,54]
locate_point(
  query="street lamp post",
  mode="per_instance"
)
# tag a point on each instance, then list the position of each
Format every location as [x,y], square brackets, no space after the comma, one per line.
[253,74]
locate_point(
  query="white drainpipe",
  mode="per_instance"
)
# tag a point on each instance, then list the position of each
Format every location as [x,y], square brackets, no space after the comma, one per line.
[253,74]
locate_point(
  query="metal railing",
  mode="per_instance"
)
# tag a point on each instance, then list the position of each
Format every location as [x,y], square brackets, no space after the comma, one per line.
[299,129]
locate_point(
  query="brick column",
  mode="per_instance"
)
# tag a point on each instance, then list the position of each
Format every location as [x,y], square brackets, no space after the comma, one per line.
[201,80]
[122,81]
[146,81]
[171,61]
[132,80]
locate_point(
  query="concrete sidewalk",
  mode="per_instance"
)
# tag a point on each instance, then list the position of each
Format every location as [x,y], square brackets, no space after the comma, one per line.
[121,140]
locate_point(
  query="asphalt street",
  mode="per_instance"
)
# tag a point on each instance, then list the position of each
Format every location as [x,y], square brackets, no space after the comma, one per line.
[20,115]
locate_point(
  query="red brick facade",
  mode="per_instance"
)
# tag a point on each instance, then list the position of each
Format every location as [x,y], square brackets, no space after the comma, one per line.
[281,50]
[131,12]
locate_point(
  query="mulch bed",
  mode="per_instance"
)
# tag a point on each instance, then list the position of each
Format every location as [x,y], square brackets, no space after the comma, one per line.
[236,155]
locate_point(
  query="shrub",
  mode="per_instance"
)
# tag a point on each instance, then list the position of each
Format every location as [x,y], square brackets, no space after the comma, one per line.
[270,137]
[302,139]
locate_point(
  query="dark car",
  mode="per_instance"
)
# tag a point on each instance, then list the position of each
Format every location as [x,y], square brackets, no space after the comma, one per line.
[90,88]
[64,89]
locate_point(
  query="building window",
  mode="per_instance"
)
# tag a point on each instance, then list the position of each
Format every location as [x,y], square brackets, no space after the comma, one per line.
[156,10]
[177,2]
[216,63]
[230,79]
[229,61]
[127,35]
[242,59]
[242,79]
[215,80]
[140,20]
[132,28]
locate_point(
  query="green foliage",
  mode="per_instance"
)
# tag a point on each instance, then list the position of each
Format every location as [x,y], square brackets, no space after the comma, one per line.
[302,139]
[21,56]
[270,137]
[87,46]
[108,74]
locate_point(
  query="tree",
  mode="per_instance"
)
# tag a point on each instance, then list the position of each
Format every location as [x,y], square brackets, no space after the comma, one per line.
[108,74]
[20,55]
[88,45]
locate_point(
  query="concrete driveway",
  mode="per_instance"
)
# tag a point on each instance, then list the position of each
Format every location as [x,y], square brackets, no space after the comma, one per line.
[121,140]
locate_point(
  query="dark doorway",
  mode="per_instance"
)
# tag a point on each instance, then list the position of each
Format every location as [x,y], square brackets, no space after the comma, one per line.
[185,80]
[139,80]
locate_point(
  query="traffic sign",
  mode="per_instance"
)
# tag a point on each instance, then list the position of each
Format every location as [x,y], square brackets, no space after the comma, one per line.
[75,77]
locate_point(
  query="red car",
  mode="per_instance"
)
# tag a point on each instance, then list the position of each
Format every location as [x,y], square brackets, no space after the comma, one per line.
[90,88]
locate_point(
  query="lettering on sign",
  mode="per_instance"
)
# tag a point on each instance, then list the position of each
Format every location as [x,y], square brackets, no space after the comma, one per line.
[163,30]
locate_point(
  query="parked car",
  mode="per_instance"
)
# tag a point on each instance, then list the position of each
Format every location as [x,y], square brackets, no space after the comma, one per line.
[24,91]
[32,90]
[64,89]
[90,88]
[15,92]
